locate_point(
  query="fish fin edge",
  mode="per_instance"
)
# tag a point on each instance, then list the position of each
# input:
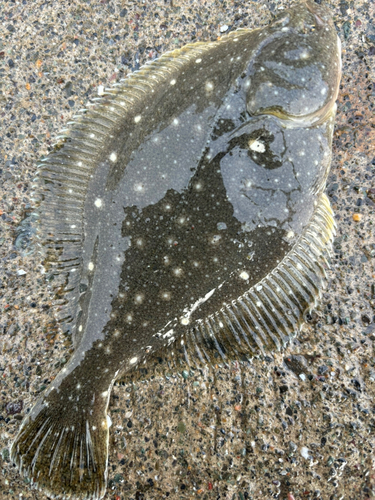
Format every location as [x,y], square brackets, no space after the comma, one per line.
[270,313]
[61,459]
[264,319]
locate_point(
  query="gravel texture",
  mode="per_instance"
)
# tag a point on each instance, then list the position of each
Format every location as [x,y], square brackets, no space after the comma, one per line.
[292,425]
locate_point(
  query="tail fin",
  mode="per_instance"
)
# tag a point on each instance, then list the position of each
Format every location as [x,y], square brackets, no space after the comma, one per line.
[64,458]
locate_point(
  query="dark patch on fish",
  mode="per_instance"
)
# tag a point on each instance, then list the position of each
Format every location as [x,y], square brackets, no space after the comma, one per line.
[185,209]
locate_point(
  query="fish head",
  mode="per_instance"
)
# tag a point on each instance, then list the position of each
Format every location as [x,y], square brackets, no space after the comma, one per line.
[296,73]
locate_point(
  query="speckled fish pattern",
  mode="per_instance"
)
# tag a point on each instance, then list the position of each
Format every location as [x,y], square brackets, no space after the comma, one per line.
[184,210]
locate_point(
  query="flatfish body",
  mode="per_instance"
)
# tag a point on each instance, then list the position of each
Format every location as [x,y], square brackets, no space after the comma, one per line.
[184,210]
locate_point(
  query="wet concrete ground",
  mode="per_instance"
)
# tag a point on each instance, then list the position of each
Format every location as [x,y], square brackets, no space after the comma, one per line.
[297,424]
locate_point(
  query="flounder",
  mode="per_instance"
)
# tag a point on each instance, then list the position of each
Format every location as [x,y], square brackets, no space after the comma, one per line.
[186,208]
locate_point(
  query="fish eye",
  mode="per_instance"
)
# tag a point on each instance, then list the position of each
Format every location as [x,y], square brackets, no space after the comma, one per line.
[257,145]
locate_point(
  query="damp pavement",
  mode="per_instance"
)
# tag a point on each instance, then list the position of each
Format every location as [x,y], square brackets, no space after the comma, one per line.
[297,424]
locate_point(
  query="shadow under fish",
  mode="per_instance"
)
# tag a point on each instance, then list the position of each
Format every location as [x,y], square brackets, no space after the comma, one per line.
[185,210]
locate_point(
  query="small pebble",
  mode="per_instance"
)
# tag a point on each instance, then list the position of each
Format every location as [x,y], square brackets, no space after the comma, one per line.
[181,427]
[14,407]
[357,217]
[292,446]
[305,452]
[224,28]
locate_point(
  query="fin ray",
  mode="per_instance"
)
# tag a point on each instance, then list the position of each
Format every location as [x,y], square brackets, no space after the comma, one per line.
[272,311]
[63,458]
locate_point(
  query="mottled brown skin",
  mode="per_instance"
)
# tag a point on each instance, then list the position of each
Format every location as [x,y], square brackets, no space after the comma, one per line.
[206,177]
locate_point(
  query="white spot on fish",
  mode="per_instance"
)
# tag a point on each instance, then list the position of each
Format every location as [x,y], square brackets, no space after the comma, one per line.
[91,266]
[209,86]
[139,298]
[177,271]
[113,157]
[139,188]
[173,82]
[137,118]
[216,238]
[98,203]
[199,60]
[133,361]
[244,275]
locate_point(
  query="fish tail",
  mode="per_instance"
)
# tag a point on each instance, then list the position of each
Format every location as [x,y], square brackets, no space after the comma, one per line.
[62,456]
